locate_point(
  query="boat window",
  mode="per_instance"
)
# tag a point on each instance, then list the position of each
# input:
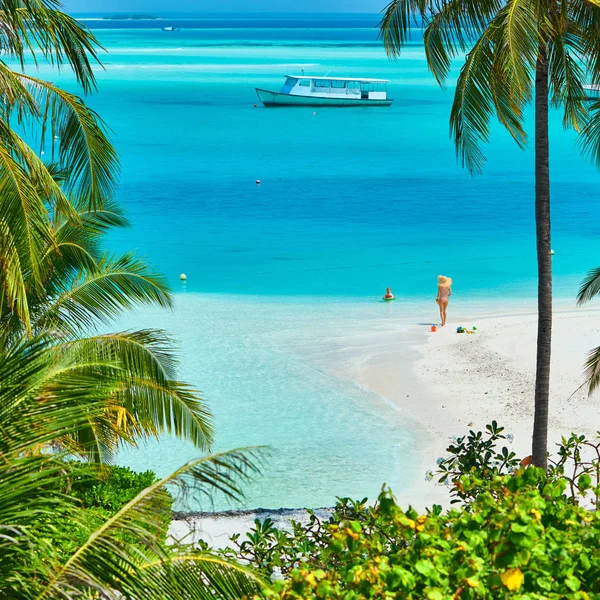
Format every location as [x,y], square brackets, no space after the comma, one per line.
[290,81]
[353,85]
[338,84]
[305,82]
[323,83]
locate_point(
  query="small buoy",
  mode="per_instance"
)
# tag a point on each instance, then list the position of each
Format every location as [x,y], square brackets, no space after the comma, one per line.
[433,328]
[551,251]
[55,137]
[258,182]
[42,153]
[314,113]
[183,277]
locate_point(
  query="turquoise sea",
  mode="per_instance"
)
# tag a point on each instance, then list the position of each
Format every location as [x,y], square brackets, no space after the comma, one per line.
[350,201]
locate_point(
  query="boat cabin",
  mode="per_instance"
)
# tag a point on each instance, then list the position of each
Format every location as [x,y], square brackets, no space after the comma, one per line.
[335,87]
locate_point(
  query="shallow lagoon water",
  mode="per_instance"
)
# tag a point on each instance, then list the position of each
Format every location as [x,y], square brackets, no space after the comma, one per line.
[350,201]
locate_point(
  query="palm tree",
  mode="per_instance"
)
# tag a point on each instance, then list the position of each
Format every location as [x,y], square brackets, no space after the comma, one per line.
[517,52]
[81,288]
[123,557]
[54,275]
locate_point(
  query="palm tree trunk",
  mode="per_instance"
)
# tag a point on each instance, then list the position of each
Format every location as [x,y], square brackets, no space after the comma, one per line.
[542,225]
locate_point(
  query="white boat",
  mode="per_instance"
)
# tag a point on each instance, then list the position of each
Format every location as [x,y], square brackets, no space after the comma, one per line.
[592,92]
[306,90]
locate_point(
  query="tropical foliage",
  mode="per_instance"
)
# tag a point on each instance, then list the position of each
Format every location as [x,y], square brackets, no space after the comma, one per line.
[519,533]
[68,389]
[56,280]
[49,546]
[516,52]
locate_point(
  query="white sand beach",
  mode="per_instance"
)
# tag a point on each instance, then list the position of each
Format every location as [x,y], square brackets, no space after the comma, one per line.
[447,383]
[464,381]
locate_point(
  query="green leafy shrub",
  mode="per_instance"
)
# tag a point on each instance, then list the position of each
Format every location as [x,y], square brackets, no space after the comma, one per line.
[478,456]
[521,538]
[518,533]
[102,491]
[109,487]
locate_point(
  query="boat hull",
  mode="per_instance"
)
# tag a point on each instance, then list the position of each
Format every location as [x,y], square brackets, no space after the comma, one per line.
[272,99]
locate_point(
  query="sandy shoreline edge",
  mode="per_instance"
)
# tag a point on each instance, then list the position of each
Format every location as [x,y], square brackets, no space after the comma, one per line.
[446,383]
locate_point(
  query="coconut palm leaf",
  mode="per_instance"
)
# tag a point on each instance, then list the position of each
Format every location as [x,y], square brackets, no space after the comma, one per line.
[592,370]
[473,104]
[29,26]
[398,19]
[106,564]
[36,376]
[84,151]
[115,285]
[13,296]
[449,25]
[452,28]
[590,287]
[22,207]
[77,245]
[567,77]
[193,574]
[585,15]
[149,393]
[589,138]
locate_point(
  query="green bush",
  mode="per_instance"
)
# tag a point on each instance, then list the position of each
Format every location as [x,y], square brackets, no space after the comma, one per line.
[518,533]
[102,491]
[109,487]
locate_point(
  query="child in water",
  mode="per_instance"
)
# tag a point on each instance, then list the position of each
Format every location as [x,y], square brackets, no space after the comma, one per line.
[388,294]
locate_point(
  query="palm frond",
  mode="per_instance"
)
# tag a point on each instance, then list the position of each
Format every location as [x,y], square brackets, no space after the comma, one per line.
[473,105]
[45,396]
[567,77]
[22,207]
[31,26]
[589,135]
[12,277]
[117,284]
[194,574]
[149,392]
[590,287]
[85,152]
[398,18]
[584,15]
[452,26]
[592,370]
[104,564]
[518,45]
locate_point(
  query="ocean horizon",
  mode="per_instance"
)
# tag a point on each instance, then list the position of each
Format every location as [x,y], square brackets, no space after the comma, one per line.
[350,202]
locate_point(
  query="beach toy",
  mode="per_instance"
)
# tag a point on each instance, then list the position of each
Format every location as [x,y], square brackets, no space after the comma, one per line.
[183,277]
[474,328]
[388,299]
[433,328]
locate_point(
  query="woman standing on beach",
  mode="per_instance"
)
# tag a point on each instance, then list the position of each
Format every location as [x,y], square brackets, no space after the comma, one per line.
[443,295]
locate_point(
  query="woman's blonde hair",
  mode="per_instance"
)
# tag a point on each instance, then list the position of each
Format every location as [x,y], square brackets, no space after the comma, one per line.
[444,281]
